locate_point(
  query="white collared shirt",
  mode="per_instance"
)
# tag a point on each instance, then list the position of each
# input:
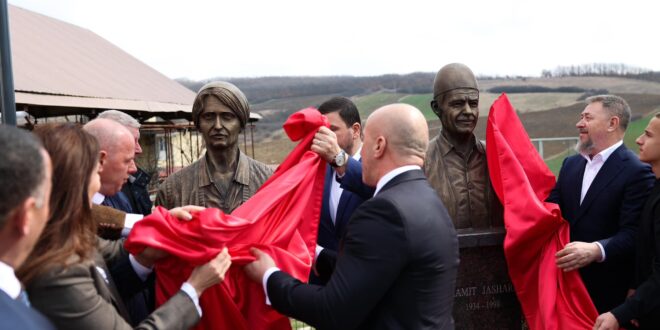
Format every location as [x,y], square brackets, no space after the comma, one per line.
[8,281]
[336,191]
[393,173]
[593,167]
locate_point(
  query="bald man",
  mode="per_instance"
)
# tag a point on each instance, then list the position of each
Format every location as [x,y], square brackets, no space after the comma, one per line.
[397,265]
[117,162]
[116,156]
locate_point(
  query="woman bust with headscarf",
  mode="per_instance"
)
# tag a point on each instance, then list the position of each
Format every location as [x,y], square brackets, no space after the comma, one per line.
[224,177]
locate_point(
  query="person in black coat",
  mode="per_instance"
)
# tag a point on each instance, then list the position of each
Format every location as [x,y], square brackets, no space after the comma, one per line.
[642,308]
[600,193]
[396,266]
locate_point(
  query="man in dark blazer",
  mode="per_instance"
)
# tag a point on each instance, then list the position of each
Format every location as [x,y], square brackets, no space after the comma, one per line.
[643,307]
[339,145]
[396,265]
[600,193]
[25,185]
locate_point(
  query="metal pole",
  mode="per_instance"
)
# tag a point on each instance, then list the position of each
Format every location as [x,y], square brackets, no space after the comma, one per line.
[8,105]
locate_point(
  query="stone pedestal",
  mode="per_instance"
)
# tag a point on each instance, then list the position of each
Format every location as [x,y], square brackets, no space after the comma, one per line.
[485,297]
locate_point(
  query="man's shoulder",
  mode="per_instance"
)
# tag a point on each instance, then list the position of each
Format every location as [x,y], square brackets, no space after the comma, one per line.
[16,315]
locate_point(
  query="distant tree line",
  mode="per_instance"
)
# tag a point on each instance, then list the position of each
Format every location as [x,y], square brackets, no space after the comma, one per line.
[535,89]
[595,69]
[266,88]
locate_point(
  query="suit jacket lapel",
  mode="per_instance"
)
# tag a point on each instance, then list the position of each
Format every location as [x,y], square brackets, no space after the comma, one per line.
[108,290]
[326,218]
[573,188]
[607,173]
[341,209]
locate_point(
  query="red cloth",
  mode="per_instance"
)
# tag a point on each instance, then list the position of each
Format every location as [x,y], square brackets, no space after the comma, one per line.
[280,219]
[535,231]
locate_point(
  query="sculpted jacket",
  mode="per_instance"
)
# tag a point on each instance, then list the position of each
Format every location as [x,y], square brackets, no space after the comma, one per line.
[193,185]
[463,186]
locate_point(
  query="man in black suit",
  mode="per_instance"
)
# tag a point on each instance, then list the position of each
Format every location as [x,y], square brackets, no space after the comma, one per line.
[600,193]
[396,266]
[643,306]
[25,185]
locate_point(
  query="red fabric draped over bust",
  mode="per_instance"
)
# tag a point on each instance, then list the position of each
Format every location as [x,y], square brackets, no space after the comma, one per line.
[550,298]
[281,219]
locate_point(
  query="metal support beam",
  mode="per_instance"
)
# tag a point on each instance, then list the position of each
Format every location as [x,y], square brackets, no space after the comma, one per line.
[8,105]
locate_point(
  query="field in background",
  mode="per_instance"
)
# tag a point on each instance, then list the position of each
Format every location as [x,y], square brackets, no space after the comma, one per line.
[542,114]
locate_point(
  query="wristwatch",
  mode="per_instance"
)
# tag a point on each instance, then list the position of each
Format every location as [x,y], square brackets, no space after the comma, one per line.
[340,159]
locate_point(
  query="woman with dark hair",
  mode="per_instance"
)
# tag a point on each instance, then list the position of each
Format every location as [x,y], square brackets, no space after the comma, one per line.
[66,275]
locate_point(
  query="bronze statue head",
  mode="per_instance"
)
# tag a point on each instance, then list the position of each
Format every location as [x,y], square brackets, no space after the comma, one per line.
[228,94]
[220,112]
[456,99]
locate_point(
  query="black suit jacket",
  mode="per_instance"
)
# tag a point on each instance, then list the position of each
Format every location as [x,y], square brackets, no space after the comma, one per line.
[16,315]
[396,268]
[609,214]
[644,305]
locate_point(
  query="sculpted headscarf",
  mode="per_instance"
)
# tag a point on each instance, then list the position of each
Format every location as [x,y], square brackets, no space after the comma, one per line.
[228,94]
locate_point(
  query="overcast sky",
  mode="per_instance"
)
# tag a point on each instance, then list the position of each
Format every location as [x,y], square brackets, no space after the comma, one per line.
[201,39]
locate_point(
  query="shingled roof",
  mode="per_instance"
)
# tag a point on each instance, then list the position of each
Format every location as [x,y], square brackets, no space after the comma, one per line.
[62,69]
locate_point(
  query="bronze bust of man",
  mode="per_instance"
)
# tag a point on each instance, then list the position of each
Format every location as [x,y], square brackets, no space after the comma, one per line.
[223,177]
[455,159]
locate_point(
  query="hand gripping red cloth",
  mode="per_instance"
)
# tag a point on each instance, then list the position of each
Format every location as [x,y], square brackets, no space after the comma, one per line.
[535,231]
[280,219]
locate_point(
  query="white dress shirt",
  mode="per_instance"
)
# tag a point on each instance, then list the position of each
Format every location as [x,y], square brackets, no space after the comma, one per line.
[8,281]
[591,169]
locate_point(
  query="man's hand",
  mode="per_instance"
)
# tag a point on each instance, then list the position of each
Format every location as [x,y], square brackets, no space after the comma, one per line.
[256,269]
[211,273]
[325,144]
[606,321]
[183,212]
[577,255]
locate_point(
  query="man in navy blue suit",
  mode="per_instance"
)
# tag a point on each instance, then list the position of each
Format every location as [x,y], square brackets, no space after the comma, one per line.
[25,185]
[600,193]
[339,145]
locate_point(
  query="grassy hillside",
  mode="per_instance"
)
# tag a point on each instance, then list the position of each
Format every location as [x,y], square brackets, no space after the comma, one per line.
[542,114]
[421,102]
[366,104]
